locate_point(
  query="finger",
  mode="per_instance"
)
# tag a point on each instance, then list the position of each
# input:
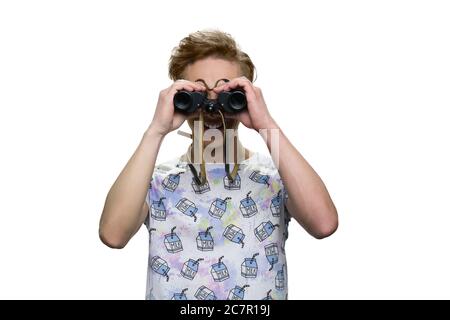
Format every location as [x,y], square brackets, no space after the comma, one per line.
[242,82]
[237,82]
[187,85]
[219,88]
[222,86]
[234,82]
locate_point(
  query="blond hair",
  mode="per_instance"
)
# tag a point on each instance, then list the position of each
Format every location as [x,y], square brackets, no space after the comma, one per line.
[208,43]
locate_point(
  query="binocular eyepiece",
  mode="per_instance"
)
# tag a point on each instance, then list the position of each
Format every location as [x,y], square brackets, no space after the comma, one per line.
[229,101]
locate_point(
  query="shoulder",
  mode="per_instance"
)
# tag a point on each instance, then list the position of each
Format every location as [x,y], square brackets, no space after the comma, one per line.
[168,167]
[262,162]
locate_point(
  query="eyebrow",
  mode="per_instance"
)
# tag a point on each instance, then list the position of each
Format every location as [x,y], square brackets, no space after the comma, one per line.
[204,82]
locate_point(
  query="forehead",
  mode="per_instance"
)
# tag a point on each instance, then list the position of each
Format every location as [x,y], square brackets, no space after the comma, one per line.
[212,69]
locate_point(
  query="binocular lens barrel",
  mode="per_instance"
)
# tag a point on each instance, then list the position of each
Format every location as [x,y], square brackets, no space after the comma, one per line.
[182,100]
[237,100]
[229,101]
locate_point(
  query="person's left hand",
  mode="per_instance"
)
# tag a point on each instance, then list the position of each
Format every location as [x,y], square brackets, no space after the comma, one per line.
[256,116]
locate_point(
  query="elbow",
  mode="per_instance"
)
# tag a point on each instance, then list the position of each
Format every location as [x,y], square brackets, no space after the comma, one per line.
[327,227]
[112,240]
[325,231]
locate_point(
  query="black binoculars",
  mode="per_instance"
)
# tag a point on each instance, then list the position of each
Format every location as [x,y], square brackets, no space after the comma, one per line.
[229,101]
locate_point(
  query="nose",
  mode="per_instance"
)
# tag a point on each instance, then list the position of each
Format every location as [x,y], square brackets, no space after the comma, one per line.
[212,95]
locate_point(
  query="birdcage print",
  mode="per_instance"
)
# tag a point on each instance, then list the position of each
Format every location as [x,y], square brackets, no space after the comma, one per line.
[200,188]
[170,183]
[219,271]
[257,177]
[248,206]
[275,205]
[218,207]
[203,293]
[280,279]
[181,295]
[187,207]
[237,293]
[158,210]
[205,241]
[249,268]
[234,184]
[271,251]
[264,230]
[190,268]
[268,296]
[160,266]
[234,234]
[173,242]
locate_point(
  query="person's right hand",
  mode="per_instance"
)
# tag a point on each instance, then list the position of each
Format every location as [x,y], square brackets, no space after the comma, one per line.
[165,118]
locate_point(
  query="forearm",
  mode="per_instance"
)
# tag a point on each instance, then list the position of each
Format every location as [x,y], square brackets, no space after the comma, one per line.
[122,214]
[309,201]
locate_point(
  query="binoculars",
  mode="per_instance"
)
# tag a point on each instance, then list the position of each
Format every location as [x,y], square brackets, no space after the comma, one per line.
[229,101]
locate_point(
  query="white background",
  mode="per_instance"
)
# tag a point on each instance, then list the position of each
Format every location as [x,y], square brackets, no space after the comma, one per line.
[360,87]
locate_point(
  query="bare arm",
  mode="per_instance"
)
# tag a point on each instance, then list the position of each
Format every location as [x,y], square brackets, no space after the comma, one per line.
[125,208]
[309,202]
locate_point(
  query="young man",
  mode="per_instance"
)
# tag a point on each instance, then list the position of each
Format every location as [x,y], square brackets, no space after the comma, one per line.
[217,227]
